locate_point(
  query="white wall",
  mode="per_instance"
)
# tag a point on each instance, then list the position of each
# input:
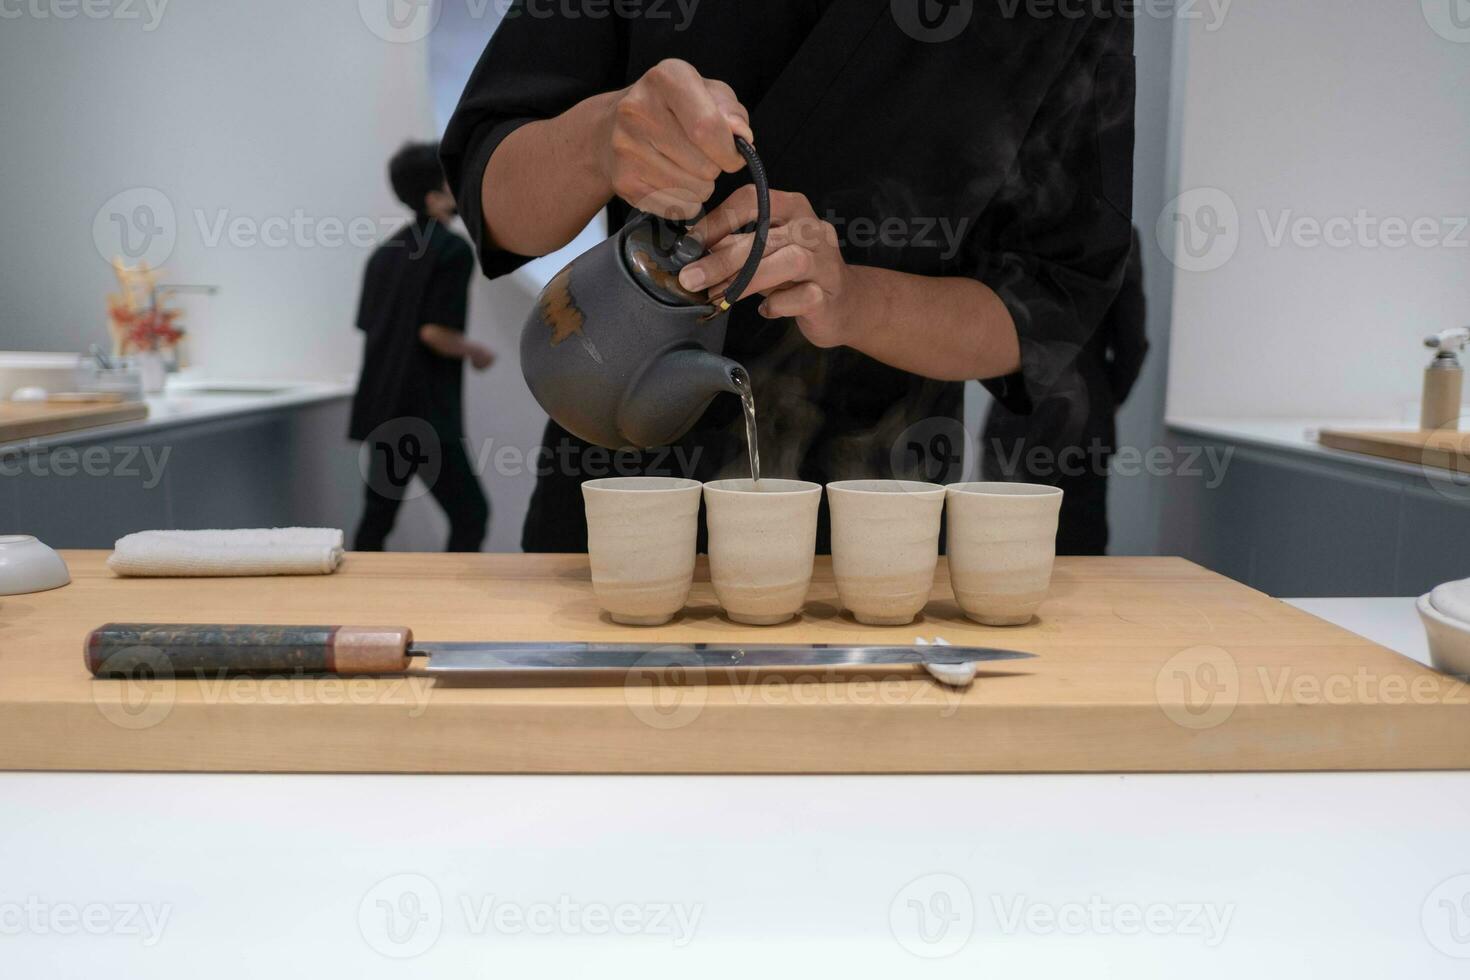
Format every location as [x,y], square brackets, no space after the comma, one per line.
[1309,111]
[266,110]
[499,409]
[274,111]
[1134,500]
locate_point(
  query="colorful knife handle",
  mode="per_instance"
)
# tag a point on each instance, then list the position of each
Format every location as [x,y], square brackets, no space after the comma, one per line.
[124,649]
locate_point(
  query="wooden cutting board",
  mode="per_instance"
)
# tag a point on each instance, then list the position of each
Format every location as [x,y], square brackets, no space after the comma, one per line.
[31,420]
[1442,449]
[1144,664]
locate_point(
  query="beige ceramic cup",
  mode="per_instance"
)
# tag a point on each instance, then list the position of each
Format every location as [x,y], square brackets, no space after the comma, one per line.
[885,544]
[641,534]
[1002,545]
[762,544]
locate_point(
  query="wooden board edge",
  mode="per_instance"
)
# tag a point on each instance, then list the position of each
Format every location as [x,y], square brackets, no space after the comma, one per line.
[745,740]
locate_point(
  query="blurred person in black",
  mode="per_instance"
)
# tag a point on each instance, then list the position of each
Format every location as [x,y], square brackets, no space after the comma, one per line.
[409,410]
[952,200]
[1071,433]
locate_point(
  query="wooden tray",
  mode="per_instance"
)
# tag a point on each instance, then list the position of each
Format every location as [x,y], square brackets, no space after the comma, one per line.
[32,420]
[1145,664]
[1443,450]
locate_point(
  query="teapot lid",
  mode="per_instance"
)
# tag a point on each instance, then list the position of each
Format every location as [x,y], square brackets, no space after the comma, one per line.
[654,251]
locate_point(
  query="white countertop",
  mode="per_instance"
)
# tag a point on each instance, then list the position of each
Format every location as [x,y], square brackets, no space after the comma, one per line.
[1298,435]
[195,401]
[1342,875]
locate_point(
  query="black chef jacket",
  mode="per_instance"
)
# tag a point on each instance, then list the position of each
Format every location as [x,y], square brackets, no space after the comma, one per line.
[420,275]
[1003,154]
[1071,434]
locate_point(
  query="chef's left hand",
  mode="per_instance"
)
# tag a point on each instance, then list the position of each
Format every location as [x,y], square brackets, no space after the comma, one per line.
[803,274]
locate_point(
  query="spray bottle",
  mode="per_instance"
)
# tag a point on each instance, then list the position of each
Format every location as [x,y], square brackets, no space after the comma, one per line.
[1444,381]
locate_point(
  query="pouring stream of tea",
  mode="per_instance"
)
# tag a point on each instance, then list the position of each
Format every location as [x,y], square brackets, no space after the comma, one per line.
[747,400]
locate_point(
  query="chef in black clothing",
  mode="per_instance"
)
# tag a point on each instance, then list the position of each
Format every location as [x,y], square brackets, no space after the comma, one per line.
[408,411]
[952,201]
[1071,433]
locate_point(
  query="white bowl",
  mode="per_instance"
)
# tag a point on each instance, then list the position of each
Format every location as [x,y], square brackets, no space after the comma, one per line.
[27,369]
[27,565]
[1449,639]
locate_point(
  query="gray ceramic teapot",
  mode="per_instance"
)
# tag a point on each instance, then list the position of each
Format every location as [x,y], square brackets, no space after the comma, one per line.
[621,355]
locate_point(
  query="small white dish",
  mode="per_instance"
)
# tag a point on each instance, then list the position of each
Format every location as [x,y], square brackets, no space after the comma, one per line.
[1452,600]
[1449,639]
[27,565]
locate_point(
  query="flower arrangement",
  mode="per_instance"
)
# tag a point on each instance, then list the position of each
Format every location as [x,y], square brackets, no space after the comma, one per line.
[137,317]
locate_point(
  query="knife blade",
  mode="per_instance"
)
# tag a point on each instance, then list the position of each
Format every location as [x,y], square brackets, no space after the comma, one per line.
[481,658]
[128,649]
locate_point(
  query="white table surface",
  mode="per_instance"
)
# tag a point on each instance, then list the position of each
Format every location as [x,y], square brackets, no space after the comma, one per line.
[1299,435]
[1340,875]
[197,401]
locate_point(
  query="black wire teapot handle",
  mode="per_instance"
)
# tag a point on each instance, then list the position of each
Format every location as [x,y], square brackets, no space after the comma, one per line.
[691,250]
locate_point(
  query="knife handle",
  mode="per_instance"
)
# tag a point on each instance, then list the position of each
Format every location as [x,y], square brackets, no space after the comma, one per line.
[122,649]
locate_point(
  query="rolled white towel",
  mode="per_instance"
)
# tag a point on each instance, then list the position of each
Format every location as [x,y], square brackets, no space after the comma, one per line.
[194,554]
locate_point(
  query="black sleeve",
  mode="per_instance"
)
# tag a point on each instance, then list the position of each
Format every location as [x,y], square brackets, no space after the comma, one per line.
[535,67]
[446,297]
[1127,329]
[368,277]
[1055,241]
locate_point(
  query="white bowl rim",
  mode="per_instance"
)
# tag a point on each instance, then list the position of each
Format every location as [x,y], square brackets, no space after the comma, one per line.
[1442,587]
[1427,610]
[13,540]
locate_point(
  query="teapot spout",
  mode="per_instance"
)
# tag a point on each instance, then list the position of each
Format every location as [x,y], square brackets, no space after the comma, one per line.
[672,393]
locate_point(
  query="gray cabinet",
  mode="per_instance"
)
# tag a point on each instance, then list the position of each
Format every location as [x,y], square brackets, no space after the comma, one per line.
[272,468]
[1308,525]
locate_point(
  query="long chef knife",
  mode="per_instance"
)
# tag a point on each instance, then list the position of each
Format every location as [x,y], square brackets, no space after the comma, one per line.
[124,649]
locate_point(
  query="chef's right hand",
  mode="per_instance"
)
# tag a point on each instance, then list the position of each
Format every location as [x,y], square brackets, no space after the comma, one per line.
[670,135]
